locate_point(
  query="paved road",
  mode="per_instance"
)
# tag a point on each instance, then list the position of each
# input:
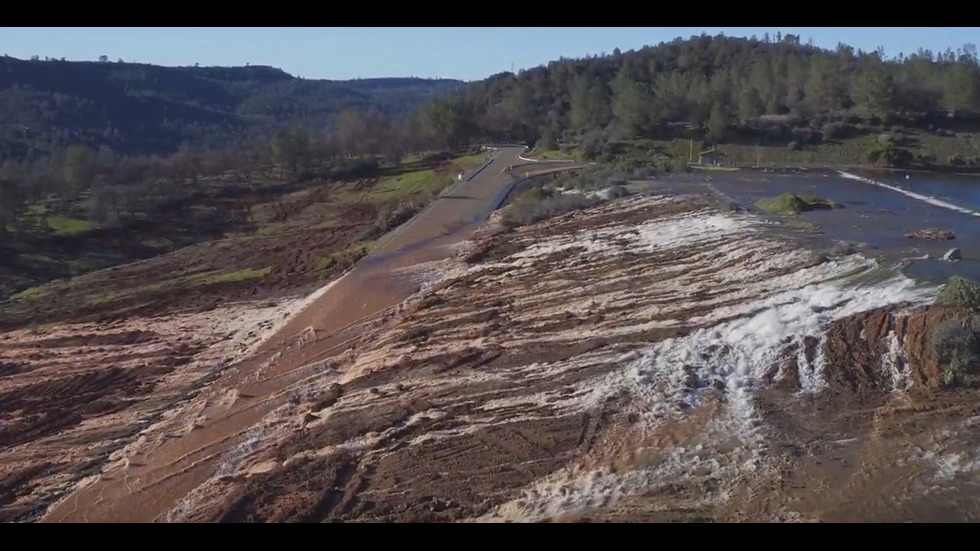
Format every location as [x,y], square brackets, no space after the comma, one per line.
[169,466]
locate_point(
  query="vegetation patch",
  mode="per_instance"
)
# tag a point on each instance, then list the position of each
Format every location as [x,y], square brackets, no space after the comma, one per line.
[210,278]
[715,168]
[29,294]
[417,181]
[161,244]
[325,263]
[959,292]
[535,208]
[846,248]
[569,153]
[957,348]
[617,191]
[67,225]
[409,183]
[729,207]
[349,255]
[956,342]
[789,203]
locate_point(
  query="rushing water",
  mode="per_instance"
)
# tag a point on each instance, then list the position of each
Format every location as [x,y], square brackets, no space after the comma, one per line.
[878,211]
[769,296]
[958,190]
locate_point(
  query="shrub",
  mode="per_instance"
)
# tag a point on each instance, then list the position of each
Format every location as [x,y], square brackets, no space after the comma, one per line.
[845,248]
[955,346]
[349,169]
[618,191]
[527,211]
[679,165]
[804,136]
[789,203]
[616,179]
[834,131]
[729,206]
[592,144]
[960,293]
[644,173]
[539,193]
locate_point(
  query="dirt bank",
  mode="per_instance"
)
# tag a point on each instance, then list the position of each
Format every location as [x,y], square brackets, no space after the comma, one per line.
[74,397]
[620,363]
[888,348]
[648,359]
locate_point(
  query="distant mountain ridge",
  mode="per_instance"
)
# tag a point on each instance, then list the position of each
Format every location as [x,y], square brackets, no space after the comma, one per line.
[134,108]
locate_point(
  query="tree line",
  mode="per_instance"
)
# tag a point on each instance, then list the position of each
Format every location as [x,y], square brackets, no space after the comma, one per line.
[770,89]
[722,87]
[139,109]
[114,189]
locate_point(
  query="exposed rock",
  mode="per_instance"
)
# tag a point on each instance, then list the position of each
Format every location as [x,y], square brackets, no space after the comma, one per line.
[857,348]
[931,233]
[953,255]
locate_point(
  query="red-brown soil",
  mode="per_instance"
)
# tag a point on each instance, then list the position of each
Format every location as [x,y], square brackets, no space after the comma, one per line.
[572,370]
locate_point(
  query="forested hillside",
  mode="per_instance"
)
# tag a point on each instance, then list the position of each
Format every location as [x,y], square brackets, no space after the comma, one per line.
[104,162]
[774,90]
[135,109]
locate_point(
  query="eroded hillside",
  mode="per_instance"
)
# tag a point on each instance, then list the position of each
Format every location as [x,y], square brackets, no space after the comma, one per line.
[647,360]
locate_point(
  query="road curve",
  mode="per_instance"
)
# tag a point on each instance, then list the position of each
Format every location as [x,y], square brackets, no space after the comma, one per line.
[168,465]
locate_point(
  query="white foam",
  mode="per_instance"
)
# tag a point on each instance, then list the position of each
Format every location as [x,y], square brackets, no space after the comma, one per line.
[895,364]
[950,465]
[769,297]
[924,198]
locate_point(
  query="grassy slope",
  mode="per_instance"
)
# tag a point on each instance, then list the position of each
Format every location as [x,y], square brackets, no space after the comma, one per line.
[410,183]
[42,217]
[329,222]
[411,180]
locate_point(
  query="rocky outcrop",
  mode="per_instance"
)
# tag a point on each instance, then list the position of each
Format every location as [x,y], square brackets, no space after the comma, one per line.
[861,356]
[953,255]
[931,233]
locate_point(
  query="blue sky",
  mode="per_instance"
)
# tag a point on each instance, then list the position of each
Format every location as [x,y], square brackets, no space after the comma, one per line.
[454,52]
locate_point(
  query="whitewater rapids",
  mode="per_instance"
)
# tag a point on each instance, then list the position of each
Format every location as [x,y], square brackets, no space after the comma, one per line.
[744,296]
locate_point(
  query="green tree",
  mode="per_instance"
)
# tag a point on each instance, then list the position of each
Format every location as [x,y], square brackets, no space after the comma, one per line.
[548,140]
[874,91]
[79,168]
[717,124]
[961,87]
[185,165]
[631,105]
[580,111]
[351,131]
[449,123]
[749,103]
[589,106]
[283,153]
[102,204]
[300,149]
[12,204]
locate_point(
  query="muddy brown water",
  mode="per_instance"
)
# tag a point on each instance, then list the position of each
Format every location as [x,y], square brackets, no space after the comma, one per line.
[510,393]
[169,468]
